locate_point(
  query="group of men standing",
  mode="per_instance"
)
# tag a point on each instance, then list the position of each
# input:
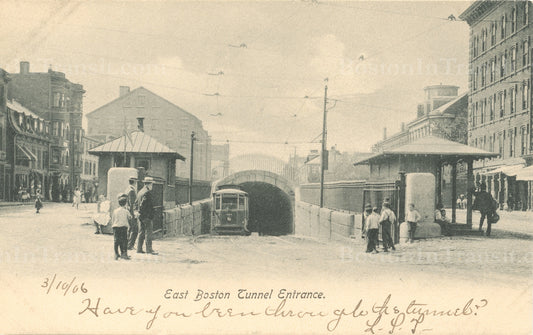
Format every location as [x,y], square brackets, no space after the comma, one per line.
[374,219]
[141,208]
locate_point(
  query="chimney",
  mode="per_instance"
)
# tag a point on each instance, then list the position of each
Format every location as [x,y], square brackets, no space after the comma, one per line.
[24,67]
[403,126]
[384,133]
[124,90]
[140,123]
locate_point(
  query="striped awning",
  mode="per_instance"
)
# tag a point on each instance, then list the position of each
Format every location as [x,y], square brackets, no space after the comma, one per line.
[25,153]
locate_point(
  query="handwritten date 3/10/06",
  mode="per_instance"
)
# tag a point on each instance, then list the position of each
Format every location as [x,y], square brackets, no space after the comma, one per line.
[69,286]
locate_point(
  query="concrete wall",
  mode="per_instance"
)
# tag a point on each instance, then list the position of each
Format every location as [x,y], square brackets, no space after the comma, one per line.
[343,195]
[326,224]
[188,220]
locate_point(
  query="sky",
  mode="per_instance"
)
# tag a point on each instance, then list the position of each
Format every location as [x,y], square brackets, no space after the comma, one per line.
[253,71]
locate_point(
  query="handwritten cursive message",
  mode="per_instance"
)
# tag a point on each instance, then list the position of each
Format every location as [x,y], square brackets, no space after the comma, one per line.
[373,317]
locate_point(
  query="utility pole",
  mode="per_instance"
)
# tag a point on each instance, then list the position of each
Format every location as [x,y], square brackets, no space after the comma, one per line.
[323,157]
[191,168]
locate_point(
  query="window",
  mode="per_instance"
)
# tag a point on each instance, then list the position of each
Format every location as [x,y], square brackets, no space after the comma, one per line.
[511,142]
[513,21]
[512,94]
[525,94]
[504,19]
[502,103]
[492,70]
[476,74]
[526,12]
[483,40]
[513,59]
[57,99]
[482,112]
[523,141]
[491,108]
[493,33]
[142,100]
[500,144]
[483,74]
[502,64]
[525,52]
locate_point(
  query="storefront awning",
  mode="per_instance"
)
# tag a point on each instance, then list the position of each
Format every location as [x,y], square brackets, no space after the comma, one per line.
[525,174]
[26,153]
[508,170]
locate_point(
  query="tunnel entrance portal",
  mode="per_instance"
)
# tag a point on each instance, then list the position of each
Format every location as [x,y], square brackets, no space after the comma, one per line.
[270,209]
[271,200]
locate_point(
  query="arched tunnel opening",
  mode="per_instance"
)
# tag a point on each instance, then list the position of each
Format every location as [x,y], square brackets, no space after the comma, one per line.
[271,211]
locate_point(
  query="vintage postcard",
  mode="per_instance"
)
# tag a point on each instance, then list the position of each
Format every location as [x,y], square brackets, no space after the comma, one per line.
[266,167]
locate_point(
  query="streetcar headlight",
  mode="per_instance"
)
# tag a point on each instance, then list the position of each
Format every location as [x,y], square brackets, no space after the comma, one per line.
[229,218]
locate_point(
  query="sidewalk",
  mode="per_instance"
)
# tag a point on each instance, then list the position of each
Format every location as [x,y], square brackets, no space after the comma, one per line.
[515,221]
[15,203]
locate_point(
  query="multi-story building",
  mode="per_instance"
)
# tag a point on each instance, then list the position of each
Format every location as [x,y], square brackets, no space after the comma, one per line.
[28,147]
[499,116]
[5,172]
[163,120]
[442,114]
[57,100]
[89,172]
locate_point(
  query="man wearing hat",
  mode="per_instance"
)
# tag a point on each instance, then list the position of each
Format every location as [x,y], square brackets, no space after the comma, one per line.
[131,192]
[145,207]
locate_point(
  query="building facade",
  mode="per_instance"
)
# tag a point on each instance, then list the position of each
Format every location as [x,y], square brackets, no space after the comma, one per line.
[163,120]
[89,172]
[5,172]
[499,116]
[28,146]
[442,114]
[58,101]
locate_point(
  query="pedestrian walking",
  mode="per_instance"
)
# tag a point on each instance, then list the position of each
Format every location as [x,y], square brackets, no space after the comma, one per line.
[412,218]
[386,221]
[372,229]
[121,218]
[133,231]
[485,204]
[38,201]
[77,198]
[145,208]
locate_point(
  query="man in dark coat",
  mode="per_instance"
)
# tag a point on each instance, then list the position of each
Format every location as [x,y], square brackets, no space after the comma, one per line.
[145,207]
[131,192]
[484,203]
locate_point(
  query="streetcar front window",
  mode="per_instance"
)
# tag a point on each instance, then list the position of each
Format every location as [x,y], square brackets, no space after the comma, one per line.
[229,202]
[217,201]
[241,202]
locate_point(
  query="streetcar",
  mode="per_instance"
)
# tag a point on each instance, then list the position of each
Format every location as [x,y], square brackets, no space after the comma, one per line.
[230,212]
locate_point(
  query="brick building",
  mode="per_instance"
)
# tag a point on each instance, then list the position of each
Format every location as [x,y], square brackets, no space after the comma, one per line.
[163,120]
[57,100]
[28,147]
[499,116]
[442,114]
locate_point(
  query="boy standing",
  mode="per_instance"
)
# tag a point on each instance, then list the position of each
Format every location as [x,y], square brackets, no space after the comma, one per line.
[386,220]
[372,230]
[412,220]
[121,219]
